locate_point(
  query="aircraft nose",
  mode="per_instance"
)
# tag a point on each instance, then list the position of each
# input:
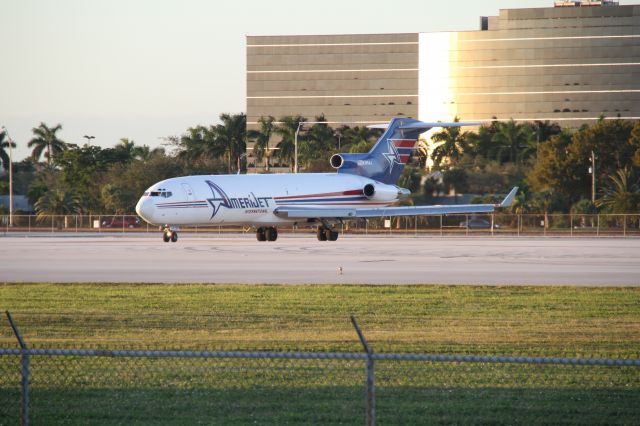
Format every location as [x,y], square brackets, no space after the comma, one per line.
[145,208]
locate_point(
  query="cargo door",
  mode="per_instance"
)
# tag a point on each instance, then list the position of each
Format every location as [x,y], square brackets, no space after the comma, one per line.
[188,191]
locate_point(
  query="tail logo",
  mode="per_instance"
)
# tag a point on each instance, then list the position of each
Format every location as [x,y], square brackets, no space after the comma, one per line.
[392,155]
[398,152]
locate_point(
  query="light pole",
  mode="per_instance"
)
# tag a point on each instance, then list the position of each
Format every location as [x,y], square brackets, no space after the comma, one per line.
[593,177]
[295,143]
[10,176]
[88,138]
[295,147]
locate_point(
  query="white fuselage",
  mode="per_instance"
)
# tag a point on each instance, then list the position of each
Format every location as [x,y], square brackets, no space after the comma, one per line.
[252,199]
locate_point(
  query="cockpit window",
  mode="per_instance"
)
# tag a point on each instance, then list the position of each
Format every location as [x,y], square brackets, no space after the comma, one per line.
[160,193]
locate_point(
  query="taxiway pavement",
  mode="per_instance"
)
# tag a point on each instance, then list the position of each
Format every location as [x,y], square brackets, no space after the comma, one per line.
[297,259]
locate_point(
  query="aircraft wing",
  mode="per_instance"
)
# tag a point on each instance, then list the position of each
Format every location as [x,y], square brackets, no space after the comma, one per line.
[299,212]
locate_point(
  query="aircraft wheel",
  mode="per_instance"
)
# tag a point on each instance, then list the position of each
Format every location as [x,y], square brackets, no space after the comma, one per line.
[166,237]
[261,235]
[174,236]
[322,236]
[333,236]
[271,233]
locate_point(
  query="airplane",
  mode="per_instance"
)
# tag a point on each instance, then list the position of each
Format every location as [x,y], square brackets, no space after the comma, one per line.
[364,186]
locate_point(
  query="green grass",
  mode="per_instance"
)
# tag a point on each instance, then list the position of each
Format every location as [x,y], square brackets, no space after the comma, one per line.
[549,321]
[536,321]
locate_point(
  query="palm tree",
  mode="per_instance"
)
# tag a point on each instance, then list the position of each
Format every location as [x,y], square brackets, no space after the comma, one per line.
[519,204]
[544,201]
[361,138]
[4,157]
[319,143]
[422,152]
[231,135]
[481,143]
[57,202]
[199,143]
[545,129]
[131,150]
[510,139]
[453,143]
[46,139]
[287,132]
[622,195]
[261,138]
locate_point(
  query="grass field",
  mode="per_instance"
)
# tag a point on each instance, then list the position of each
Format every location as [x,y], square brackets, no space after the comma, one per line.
[534,321]
[547,321]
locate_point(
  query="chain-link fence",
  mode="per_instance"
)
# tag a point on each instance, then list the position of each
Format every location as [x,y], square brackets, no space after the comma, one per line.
[490,224]
[98,386]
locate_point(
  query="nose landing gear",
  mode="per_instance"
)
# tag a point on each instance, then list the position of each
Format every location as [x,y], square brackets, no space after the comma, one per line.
[267,234]
[169,235]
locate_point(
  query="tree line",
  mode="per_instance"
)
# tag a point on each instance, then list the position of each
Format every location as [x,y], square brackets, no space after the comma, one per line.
[550,164]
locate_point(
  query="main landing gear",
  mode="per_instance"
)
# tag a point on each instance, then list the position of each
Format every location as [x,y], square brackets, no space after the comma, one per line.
[326,234]
[267,234]
[169,235]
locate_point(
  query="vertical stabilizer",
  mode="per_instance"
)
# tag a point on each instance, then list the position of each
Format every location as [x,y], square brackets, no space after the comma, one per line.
[386,160]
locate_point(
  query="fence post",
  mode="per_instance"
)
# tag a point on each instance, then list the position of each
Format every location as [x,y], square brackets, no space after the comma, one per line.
[24,373]
[492,223]
[371,396]
[466,224]
[571,225]
[441,225]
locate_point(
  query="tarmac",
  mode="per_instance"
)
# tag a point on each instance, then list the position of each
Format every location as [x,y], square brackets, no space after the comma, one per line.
[301,259]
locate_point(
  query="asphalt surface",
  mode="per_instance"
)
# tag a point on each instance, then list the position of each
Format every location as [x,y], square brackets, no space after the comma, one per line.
[302,259]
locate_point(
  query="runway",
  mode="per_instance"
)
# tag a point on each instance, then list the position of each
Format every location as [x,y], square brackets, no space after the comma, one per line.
[301,259]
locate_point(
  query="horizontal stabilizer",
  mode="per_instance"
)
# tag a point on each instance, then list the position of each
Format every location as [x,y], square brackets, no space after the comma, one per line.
[423,125]
[418,125]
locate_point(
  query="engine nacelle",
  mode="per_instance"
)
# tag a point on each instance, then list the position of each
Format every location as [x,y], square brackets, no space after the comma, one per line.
[350,161]
[336,161]
[383,192]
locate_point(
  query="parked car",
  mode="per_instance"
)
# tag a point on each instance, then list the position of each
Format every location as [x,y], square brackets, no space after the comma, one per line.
[121,222]
[478,224]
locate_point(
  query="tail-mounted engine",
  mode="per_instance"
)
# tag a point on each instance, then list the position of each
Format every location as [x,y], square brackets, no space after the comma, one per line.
[349,161]
[383,192]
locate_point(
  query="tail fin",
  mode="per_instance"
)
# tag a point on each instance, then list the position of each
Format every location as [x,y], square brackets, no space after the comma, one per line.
[386,160]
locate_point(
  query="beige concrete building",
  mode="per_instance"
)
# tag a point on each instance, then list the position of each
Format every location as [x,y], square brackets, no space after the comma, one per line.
[570,63]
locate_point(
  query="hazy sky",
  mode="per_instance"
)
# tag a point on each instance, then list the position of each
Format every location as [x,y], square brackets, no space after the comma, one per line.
[146,69]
